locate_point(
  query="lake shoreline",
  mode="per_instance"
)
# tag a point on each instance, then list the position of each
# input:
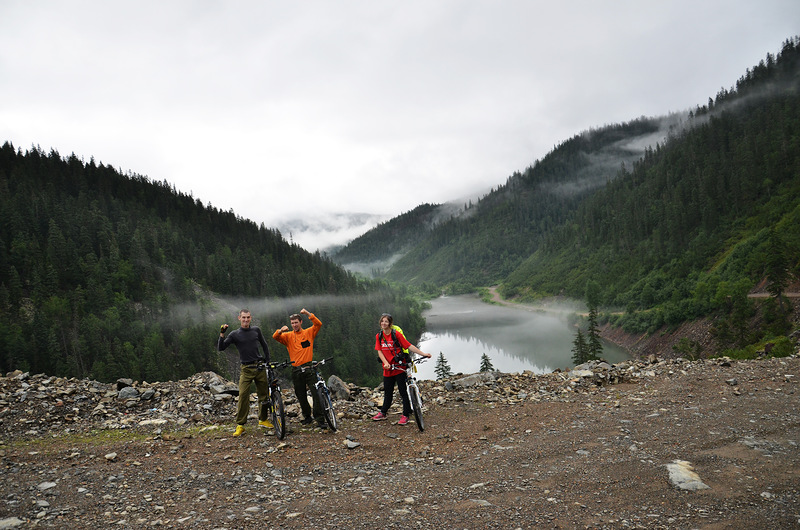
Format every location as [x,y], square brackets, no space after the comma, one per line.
[464,329]
[634,344]
[663,342]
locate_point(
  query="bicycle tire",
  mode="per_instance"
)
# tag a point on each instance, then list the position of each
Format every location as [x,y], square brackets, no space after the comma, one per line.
[278,415]
[327,407]
[416,404]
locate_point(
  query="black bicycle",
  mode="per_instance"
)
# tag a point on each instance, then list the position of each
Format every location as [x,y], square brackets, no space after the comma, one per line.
[414,395]
[323,393]
[274,402]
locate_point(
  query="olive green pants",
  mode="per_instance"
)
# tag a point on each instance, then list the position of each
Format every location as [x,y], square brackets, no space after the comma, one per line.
[247,375]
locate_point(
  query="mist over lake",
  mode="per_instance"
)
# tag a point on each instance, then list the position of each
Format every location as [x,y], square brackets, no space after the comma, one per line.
[463,328]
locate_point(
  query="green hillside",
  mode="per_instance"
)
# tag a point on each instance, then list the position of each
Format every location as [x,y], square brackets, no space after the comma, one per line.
[106,275]
[698,215]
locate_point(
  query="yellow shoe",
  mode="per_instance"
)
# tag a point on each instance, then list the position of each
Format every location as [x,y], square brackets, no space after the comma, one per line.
[239,430]
[266,423]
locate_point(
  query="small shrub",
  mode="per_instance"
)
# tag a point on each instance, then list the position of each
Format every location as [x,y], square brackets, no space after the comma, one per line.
[783,347]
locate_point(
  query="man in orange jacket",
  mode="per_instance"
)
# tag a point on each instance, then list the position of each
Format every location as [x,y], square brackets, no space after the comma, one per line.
[300,343]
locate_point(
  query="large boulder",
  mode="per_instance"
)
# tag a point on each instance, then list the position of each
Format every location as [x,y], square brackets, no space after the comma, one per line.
[128,392]
[480,378]
[339,389]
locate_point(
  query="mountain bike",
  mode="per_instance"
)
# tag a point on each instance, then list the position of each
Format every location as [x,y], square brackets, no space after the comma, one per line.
[273,404]
[323,393]
[414,395]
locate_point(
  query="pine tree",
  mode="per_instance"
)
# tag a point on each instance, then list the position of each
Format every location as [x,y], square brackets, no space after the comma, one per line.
[580,350]
[594,346]
[486,363]
[442,369]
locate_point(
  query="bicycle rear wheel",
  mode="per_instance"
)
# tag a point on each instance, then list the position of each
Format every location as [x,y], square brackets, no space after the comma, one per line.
[416,404]
[278,414]
[327,407]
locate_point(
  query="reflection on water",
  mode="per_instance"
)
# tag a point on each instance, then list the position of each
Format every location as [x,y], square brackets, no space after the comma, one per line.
[463,328]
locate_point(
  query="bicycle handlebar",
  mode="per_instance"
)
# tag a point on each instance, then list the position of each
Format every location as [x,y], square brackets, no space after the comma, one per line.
[321,361]
[314,364]
[273,364]
[414,361]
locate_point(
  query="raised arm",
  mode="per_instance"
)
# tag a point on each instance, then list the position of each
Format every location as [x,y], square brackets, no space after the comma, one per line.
[418,351]
[316,323]
[223,342]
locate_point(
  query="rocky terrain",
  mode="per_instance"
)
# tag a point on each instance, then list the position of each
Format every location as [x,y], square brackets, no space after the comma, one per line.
[642,444]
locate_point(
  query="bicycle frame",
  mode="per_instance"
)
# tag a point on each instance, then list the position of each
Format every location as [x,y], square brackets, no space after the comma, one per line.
[323,393]
[274,399]
[414,394]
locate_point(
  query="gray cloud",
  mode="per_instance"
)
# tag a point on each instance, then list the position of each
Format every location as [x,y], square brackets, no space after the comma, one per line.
[284,110]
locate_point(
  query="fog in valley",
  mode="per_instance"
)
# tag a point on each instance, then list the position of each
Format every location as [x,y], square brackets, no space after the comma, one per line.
[462,328]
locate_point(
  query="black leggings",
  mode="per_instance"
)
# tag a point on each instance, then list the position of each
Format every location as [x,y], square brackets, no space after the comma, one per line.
[302,380]
[388,393]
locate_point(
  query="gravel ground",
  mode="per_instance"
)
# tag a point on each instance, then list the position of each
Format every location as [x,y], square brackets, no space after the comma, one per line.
[521,451]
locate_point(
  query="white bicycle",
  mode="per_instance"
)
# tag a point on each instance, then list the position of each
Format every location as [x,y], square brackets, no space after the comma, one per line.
[414,395]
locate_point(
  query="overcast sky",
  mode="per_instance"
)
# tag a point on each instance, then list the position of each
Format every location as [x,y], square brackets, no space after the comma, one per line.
[284,110]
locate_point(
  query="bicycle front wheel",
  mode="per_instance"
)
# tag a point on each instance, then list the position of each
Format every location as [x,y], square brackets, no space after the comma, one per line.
[416,404]
[278,415]
[327,407]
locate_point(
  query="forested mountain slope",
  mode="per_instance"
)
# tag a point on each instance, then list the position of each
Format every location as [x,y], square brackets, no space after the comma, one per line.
[483,242]
[107,275]
[491,238]
[699,220]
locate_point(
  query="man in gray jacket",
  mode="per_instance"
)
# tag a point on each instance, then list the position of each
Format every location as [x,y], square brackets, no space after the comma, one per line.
[247,338]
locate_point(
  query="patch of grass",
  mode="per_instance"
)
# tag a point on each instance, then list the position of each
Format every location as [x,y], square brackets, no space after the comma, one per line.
[101,437]
[95,437]
[769,347]
[782,347]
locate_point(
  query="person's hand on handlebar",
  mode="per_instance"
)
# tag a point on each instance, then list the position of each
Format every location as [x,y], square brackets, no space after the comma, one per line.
[419,352]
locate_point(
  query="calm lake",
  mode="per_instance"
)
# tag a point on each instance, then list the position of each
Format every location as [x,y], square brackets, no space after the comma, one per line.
[463,328]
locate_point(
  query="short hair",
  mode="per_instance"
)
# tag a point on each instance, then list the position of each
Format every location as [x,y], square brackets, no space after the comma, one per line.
[295,316]
[243,310]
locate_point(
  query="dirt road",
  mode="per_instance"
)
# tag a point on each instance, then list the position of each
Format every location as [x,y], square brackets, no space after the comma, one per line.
[522,451]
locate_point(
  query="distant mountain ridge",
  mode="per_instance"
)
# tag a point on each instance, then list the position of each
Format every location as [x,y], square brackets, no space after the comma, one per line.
[327,232]
[377,250]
